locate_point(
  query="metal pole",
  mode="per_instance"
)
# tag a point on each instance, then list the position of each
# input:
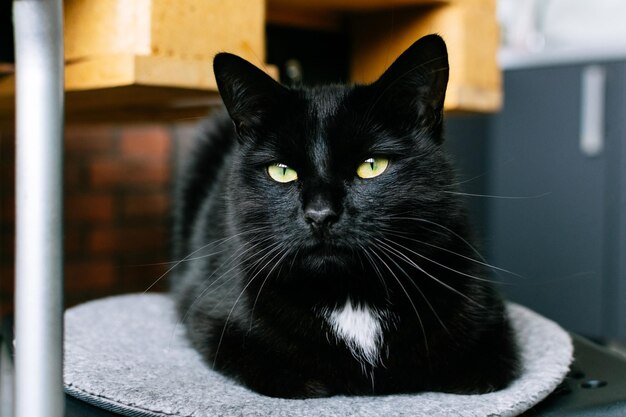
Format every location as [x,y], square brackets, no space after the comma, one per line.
[39,245]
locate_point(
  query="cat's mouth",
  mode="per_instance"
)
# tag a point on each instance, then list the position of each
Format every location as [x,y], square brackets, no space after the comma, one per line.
[325,246]
[327,252]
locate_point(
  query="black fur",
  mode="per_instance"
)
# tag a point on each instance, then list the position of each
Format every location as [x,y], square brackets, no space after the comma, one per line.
[256,278]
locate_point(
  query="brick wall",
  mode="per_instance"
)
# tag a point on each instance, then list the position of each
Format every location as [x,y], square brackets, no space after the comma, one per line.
[117,199]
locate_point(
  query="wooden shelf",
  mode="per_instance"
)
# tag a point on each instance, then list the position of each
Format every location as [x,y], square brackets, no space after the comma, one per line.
[153,58]
[355,5]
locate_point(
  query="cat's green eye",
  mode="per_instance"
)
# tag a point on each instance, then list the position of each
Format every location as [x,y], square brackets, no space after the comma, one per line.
[281,173]
[372,167]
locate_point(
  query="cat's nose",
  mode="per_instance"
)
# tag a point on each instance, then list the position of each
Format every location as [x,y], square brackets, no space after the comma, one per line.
[320,217]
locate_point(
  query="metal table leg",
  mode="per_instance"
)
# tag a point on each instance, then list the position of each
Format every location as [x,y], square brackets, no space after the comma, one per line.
[39,245]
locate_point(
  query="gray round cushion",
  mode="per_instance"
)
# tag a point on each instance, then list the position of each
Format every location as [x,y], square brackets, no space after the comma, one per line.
[129,354]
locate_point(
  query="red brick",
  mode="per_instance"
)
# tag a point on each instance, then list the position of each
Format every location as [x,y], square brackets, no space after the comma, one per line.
[72,175]
[146,205]
[7,145]
[89,275]
[89,207]
[141,274]
[6,307]
[7,209]
[146,142]
[89,139]
[112,172]
[7,244]
[7,280]
[7,174]
[73,241]
[137,239]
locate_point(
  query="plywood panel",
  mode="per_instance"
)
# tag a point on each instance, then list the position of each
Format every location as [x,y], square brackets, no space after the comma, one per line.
[96,27]
[180,38]
[198,29]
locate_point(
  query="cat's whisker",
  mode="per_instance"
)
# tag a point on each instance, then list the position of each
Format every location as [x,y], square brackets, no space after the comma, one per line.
[246,269]
[403,247]
[172,268]
[190,257]
[294,257]
[204,292]
[236,255]
[416,266]
[447,229]
[455,184]
[501,197]
[419,318]
[275,249]
[490,266]
[278,262]
[412,281]
[358,255]
[376,270]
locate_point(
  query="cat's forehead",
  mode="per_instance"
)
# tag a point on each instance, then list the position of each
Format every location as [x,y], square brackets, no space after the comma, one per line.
[326,124]
[332,125]
[323,102]
[324,109]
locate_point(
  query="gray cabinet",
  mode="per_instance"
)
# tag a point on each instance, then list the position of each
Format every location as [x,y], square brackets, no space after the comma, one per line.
[561,221]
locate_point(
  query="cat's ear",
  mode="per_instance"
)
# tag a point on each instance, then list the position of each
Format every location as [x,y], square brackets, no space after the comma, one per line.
[414,87]
[249,94]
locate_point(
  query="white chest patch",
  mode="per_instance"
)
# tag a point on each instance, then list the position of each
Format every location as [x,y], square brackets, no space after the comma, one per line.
[360,328]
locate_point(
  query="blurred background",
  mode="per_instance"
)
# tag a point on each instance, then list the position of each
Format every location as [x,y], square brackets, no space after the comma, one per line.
[542,159]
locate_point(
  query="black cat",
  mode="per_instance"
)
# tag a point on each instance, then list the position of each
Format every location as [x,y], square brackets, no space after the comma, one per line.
[323,248]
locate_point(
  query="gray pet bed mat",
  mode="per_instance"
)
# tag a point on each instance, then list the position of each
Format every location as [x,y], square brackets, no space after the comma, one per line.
[128,354]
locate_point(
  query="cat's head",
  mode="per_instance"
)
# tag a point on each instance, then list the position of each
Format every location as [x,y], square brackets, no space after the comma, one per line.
[328,172]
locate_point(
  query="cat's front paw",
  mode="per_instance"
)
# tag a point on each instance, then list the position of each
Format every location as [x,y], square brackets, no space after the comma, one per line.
[316,389]
[308,389]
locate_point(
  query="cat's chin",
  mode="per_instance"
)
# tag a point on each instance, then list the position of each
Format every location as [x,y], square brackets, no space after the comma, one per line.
[324,257]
